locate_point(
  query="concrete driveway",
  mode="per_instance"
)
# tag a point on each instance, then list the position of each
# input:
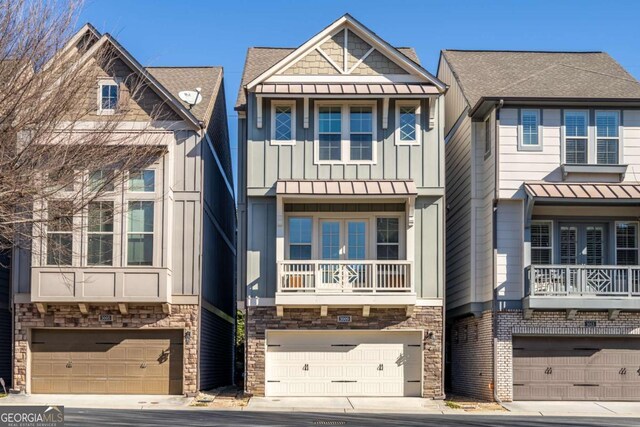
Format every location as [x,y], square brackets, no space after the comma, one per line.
[568,408]
[107,401]
[347,404]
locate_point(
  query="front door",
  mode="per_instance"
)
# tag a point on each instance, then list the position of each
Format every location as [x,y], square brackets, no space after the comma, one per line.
[342,240]
[583,244]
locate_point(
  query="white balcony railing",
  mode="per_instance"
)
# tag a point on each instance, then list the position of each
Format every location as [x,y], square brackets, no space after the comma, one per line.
[584,280]
[365,277]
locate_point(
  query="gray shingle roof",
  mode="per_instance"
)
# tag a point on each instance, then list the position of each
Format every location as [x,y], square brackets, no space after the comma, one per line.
[260,59]
[177,79]
[513,74]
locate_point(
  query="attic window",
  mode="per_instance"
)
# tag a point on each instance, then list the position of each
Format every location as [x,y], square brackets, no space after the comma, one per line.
[108,94]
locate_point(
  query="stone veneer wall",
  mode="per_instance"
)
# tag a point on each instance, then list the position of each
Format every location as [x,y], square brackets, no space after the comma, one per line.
[472,356]
[510,323]
[138,317]
[260,319]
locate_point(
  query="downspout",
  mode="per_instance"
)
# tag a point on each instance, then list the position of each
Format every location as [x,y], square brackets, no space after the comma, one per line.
[494,321]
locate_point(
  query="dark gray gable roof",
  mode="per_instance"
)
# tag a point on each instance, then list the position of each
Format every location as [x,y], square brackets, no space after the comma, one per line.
[177,79]
[260,59]
[515,74]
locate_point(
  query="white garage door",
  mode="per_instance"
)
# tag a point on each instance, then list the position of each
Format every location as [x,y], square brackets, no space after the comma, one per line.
[343,363]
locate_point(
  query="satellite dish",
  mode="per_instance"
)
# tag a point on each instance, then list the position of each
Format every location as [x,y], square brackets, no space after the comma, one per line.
[191,97]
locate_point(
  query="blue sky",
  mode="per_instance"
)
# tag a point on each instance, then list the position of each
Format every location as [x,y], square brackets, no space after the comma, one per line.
[214,32]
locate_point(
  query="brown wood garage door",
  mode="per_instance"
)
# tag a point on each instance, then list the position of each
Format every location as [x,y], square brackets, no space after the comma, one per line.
[576,368]
[106,362]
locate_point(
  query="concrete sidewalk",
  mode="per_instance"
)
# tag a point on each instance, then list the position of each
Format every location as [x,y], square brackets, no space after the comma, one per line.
[99,401]
[568,408]
[348,404]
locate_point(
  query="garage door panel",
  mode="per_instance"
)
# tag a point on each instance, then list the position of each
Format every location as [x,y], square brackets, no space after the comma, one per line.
[342,363]
[111,362]
[576,368]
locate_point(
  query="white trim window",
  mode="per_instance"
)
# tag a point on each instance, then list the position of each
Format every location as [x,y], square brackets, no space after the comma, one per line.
[140,232]
[60,233]
[607,137]
[108,96]
[101,180]
[388,238]
[626,243]
[142,181]
[345,132]
[283,122]
[541,242]
[100,233]
[530,135]
[408,130]
[576,137]
[300,236]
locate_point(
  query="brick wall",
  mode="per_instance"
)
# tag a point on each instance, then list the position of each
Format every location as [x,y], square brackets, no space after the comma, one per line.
[138,317]
[472,356]
[259,319]
[510,323]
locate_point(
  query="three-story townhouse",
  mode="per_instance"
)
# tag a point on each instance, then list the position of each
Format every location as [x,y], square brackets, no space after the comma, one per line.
[543,279]
[341,207]
[141,299]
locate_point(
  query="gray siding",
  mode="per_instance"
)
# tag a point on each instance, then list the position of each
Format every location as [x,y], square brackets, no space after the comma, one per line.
[268,163]
[429,259]
[261,247]
[455,100]
[458,228]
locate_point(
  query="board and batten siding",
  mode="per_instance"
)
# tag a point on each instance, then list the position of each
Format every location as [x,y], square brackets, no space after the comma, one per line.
[458,225]
[509,249]
[517,167]
[267,163]
[455,103]
[261,247]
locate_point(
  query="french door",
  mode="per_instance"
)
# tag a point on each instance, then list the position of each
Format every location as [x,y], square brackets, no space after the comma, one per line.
[344,240]
[583,244]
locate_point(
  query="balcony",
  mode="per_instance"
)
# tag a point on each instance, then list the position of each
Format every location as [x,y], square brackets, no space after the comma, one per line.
[101,285]
[582,287]
[322,282]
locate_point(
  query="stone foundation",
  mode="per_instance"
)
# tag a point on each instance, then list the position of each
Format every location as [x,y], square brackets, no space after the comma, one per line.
[139,317]
[510,323]
[472,356]
[429,319]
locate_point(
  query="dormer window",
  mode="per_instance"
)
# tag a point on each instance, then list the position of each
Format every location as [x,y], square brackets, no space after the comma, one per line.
[108,95]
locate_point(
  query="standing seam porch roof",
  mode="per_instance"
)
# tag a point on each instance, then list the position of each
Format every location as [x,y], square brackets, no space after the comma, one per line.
[583,191]
[347,188]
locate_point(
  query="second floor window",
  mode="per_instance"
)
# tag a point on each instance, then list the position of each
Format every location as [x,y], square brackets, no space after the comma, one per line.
[627,243]
[101,180]
[388,238]
[300,230]
[530,125]
[576,137]
[408,122]
[607,137]
[108,96]
[140,233]
[541,246]
[142,181]
[283,122]
[60,233]
[345,133]
[100,233]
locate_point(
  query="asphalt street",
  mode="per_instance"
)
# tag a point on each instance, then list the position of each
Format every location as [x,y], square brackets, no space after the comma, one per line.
[196,418]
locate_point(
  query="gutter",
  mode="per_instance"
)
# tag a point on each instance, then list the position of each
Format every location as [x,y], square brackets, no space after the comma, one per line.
[557,100]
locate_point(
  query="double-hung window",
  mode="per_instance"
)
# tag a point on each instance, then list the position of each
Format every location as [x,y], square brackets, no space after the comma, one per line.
[388,238]
[283,122]
[576,137]
[530,129]
[361,133]
[345,133]
[607,137]
[60,233]
[100,233]
[300,230]
[140,233]
[407,123]
[627,243]
[541,243]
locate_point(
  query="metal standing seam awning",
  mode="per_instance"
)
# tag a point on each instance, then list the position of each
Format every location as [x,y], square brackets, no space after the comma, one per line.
[579,193]
[350,188]
[382,89]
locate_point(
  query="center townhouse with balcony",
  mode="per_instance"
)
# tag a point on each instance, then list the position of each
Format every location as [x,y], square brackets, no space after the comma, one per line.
[543,279]
[341,211]
[139,299]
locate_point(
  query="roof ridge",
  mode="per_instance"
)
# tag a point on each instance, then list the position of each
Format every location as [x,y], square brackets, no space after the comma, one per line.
[183,66]
[577,52]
